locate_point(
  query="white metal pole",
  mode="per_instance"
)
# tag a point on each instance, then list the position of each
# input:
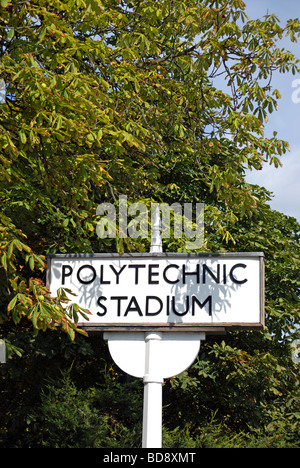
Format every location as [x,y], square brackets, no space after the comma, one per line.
[153,380]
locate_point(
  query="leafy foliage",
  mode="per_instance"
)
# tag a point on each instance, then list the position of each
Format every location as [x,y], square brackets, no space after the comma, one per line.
[161,101]
[90,418]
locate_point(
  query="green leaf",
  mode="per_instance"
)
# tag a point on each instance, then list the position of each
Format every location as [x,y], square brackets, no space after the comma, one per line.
[59,122]
[22,136]
[11,33]
[10,249]
[31,262]
[43,33]
[4,261]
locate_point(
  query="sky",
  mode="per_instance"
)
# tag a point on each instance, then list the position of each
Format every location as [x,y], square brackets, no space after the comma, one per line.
[283,182]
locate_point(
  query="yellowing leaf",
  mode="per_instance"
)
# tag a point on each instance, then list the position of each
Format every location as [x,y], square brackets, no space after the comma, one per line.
[22,137]
[12,303]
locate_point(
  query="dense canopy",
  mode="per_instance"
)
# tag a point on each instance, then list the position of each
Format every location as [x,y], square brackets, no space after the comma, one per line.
[161,101]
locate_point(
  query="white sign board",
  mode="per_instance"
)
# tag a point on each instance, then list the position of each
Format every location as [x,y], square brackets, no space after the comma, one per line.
[168,291]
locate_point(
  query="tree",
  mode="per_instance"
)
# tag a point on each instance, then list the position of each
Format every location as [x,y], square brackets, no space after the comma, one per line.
[112,97]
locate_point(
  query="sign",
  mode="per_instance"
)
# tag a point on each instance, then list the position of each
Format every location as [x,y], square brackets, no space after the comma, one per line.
[165,291]
[2,352]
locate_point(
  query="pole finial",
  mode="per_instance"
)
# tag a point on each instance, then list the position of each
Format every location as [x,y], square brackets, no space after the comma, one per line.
[156,240]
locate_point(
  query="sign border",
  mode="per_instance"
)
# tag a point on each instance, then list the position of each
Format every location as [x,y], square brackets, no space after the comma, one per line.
[217,328]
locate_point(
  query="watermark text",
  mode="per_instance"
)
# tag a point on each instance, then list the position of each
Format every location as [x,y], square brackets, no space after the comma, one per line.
[133,220]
